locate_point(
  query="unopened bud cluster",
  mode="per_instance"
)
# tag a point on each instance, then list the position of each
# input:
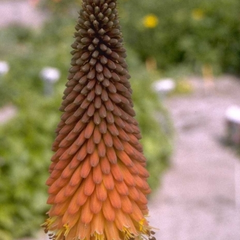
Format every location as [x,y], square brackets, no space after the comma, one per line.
[98,180]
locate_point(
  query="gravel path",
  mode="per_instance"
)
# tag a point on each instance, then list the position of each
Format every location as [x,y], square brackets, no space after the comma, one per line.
[198,197]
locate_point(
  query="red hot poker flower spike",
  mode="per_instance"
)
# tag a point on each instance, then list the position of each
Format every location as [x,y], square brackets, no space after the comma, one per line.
[98,181]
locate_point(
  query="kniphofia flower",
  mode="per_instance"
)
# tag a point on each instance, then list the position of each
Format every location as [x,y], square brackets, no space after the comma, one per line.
[98,180]
[150,21]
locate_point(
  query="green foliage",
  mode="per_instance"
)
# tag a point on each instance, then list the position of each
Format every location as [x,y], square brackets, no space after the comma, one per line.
[195,33]
[25,141]
[24,151]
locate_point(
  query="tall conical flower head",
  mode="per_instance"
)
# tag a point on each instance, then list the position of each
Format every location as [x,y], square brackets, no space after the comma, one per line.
[98,180]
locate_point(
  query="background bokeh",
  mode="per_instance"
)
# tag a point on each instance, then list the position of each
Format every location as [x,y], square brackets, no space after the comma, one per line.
[163,38]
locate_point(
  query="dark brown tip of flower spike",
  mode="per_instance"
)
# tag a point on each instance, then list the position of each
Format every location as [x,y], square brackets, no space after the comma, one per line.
[98,182]
[98,67]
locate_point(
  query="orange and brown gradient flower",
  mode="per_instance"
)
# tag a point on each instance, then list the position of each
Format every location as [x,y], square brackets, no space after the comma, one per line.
[98,180]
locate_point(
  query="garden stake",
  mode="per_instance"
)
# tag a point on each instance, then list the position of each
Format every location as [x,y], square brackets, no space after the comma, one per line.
[98,180]
[4,68]
[49,76]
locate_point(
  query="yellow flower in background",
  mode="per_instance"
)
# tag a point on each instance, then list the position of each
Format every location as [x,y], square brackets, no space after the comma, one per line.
[197,14]
[150,21]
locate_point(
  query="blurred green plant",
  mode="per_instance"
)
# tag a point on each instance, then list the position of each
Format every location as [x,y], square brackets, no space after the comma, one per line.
[59,7]
[196,33]
[25,141]
[24,155]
